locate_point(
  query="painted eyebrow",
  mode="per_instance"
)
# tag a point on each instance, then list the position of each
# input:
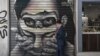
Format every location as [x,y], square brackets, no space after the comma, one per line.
[26,13]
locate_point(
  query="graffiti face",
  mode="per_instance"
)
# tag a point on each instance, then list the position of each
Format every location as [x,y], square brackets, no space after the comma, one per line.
[39,24]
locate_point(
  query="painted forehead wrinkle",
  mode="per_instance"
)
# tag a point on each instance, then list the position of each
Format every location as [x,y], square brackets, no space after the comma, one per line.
[35,6]
[34,16]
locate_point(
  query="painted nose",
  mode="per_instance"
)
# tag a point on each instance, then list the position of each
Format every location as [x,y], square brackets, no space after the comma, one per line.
[38,42]
[39,24]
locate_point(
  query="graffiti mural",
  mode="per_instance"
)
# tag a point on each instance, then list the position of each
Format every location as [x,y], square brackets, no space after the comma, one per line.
[43,28]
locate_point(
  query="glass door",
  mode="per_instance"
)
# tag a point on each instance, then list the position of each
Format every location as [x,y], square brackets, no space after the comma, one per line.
[88,28]
[91,26]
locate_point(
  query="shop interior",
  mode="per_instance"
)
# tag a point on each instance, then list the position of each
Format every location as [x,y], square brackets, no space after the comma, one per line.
[91,26]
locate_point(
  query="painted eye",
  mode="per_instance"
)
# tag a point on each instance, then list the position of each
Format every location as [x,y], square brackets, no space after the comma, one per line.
[29,22]
[49,21]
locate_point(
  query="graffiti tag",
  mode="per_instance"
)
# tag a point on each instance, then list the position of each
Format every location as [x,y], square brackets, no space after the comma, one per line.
[3,25]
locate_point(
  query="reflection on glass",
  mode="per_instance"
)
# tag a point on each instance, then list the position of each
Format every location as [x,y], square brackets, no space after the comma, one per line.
[91,17]
[91,27]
